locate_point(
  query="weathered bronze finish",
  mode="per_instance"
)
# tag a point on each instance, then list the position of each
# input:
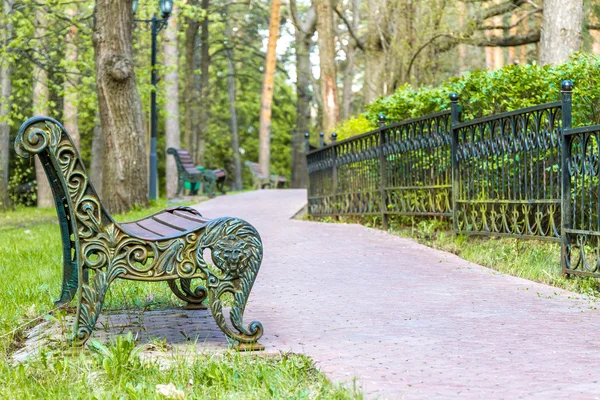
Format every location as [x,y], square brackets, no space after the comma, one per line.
[168,246]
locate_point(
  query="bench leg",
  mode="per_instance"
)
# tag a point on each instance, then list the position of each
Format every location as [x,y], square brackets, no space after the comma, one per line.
[193,298]
[90,302]
[237,253]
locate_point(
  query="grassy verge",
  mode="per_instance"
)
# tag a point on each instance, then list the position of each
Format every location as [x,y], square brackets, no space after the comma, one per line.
[534,260]
[31,268]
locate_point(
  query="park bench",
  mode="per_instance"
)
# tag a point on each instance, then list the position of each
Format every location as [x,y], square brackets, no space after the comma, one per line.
[171,245]
[261,180]
[187,172]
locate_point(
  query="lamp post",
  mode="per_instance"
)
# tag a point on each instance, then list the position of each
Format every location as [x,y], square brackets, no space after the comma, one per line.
[156,25]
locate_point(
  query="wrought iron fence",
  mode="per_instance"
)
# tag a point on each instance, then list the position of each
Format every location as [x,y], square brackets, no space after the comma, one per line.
[581,202]
[525,174]
[507,173]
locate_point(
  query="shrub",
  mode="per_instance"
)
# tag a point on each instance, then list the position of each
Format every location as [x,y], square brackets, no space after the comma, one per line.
[485,92]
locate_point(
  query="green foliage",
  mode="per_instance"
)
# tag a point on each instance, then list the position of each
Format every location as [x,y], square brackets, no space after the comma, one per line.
[355,126]
[485,92]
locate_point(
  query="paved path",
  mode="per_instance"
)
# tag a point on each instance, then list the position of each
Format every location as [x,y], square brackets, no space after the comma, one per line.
[408,321]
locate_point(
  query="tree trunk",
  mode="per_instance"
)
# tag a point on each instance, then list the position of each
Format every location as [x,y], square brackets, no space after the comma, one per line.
[235,140]
[125,168]
[303,33]
[41,94]
[203,86]
[5,104]
[70,114]
[349,70]
[266,98]
[327,54]
[96,164]
[172,132]
[375,57]
[191,89]
[561,30]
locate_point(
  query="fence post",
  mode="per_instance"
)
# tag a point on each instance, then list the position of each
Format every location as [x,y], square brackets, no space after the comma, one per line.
[382,171]
[307,141]
[321,139]
[566,203]
[454,118]
[334,167]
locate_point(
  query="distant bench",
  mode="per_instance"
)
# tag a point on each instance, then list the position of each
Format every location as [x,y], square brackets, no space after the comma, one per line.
[187,172]
[262,180]
[167,246]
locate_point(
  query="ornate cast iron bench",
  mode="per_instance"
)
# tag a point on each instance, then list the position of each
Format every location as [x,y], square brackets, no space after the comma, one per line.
[261,180]
[168,246]
[187,171]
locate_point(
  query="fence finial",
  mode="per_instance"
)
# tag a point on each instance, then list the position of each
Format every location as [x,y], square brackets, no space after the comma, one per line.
[321,139]
[333,137]
[382,119]
[307,141]
[454,97]
[567,85]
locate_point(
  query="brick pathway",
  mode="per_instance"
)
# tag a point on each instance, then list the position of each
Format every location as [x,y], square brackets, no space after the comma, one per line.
[405,320]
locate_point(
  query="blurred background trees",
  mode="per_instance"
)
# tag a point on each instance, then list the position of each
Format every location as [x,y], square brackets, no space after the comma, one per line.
[332,59]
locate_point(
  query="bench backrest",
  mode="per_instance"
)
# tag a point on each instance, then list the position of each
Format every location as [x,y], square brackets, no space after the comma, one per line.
[255,169]
[184,161]
[81,212]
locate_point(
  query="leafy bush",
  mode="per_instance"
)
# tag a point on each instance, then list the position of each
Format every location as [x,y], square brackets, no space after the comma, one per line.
[485,92]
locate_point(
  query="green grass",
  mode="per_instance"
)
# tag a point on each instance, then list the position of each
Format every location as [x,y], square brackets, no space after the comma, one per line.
[31,266]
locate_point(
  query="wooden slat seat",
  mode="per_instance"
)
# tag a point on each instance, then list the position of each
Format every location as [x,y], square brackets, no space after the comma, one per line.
[166,224]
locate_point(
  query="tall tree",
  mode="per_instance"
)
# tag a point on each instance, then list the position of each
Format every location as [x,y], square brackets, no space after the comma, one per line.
[304,29]
[233,120]
[125,169]
[204,85]
[70,114]
[41,96]
[375,52]
[561,30]
[350,57]
[327,53]
[266,98]
[5,104]
[172,131]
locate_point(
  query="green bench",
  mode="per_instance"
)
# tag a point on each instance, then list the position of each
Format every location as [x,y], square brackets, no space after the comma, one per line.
[188,172]
[167,246]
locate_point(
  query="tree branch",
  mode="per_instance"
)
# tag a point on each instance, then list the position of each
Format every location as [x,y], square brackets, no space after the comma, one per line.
[359,43]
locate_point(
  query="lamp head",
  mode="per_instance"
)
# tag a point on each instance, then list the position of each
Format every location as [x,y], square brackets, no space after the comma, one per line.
[166,7]
[134,6]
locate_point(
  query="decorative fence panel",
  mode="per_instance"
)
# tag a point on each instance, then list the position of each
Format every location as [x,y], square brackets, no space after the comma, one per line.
[417,165]
[508,174]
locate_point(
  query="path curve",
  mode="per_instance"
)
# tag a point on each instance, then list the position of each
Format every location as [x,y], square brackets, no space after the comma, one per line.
[407,321]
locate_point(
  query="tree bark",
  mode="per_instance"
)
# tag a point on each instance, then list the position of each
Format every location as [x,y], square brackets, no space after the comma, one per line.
[327,53]
[125,168]
[96,163]
[41,95]
[235,140]
[375,55]
[266,98]
[5,104]
[172,131]
[304,31]
[561,30]
[70,114]
[347,93]
[203,86]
